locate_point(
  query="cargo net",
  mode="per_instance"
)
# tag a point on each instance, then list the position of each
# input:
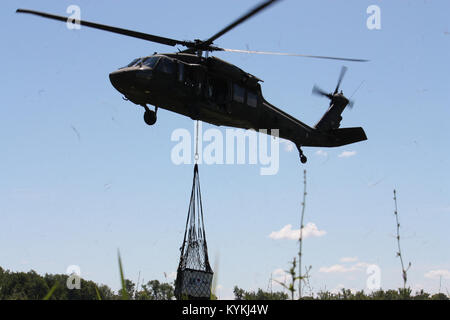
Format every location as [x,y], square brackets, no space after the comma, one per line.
[194,275]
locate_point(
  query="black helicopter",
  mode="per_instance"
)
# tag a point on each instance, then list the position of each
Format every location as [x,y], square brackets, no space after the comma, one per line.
[215,91]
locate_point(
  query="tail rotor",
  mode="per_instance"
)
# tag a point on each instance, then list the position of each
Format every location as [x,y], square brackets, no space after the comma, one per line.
[318,91]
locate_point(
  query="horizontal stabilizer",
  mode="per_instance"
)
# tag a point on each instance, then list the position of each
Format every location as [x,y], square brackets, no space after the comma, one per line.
[345,136]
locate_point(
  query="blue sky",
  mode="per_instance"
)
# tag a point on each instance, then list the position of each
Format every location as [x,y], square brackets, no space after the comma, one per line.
[81,175]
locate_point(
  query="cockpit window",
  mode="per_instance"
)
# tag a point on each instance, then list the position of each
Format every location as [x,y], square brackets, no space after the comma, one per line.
[150,61]
[134,62]
[166,65]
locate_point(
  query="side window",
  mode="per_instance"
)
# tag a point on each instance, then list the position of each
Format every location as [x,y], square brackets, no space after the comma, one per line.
[166,65]
[252,99]
[238,93]
[180,72]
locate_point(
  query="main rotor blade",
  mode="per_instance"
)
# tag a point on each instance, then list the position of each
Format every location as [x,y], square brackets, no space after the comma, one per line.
[316,90]
[246,16]
[292,54]
[351,103]
[125,32]
[341,76]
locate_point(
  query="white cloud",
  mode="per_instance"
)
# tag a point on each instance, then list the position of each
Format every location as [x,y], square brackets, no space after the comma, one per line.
[361,265]
[436,274]
[279,275]
[339,287]
[347,154]
[278,272]
[322,153]
[349,259]
[339,268]
[288,145]
[310,230]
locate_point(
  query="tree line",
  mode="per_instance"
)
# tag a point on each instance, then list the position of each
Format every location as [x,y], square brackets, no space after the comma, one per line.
[32,286]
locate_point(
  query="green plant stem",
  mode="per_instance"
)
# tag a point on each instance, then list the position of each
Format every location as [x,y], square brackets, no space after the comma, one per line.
[399,253]
[301,237]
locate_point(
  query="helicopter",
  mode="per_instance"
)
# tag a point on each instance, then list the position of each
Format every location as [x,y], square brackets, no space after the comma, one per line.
[206,88]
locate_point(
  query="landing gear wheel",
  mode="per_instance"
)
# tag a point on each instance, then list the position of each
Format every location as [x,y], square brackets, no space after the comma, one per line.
[150,117]
[303,159]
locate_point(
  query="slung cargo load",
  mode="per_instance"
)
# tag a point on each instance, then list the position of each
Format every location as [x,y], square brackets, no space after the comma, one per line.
[194,275]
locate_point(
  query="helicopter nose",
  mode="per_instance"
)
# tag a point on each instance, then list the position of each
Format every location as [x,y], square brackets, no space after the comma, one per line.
[122,80]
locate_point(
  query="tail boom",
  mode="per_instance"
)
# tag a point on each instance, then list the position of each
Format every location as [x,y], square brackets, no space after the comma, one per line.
[335,137]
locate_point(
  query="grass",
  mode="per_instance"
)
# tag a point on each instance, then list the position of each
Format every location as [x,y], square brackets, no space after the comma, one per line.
[50,292]
[123,291]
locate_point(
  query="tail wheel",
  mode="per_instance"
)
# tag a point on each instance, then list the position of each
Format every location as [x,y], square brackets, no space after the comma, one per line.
[150,117]
[303,159]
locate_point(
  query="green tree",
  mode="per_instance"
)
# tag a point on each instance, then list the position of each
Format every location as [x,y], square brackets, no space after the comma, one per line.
[241,294]
[32,286]
[439,296]
[22,286]
[129,287]
[155,290]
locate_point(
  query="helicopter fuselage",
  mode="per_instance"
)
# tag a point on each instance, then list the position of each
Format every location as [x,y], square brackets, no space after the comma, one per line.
[214,91]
